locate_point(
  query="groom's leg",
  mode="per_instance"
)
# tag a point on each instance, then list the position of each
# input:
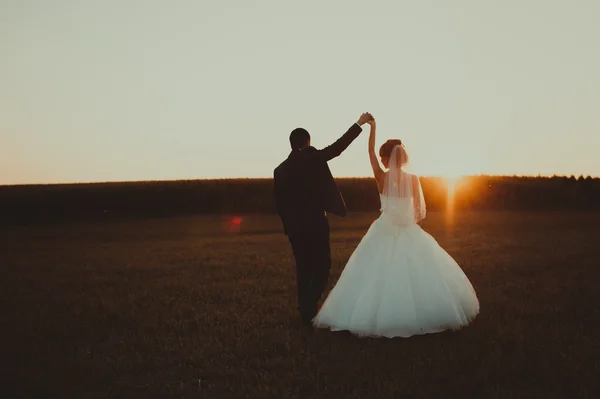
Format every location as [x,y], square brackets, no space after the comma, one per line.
[323,266]
[321,261]
[301,246]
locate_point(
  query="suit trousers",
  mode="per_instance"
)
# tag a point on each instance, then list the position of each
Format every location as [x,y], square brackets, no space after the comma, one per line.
[313,264]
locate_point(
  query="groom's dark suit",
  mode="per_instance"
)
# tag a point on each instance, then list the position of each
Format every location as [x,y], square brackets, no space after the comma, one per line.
[304,192]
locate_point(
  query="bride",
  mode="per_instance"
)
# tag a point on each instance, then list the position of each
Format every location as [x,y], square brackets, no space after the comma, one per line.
[398,282]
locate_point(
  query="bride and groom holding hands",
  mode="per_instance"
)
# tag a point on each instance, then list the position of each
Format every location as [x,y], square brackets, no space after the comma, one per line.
[398,281]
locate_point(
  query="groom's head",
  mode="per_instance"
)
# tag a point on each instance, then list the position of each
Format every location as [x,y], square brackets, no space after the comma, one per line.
[299,139]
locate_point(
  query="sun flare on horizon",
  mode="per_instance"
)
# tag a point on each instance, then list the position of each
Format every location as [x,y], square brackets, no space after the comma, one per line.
[453,183]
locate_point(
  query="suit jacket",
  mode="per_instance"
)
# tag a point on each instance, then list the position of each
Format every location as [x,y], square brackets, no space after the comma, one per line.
[304,187]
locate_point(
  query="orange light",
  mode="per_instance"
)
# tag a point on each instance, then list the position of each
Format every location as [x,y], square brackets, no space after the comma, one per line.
[452,183]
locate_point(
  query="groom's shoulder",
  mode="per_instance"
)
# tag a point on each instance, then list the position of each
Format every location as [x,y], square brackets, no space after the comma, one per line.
[300,158]
[282,166]
[306,154]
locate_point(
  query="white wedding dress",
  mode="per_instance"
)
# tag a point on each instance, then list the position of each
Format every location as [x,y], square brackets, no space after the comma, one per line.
[399,282]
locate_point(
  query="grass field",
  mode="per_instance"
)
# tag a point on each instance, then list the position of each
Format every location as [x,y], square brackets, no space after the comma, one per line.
[188,307]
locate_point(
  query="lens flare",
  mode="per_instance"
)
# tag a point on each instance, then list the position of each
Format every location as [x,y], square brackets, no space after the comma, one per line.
[236,221]
[234,225]
[453,184]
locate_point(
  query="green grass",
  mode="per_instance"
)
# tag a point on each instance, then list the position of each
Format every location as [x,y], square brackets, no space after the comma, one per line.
[184,307]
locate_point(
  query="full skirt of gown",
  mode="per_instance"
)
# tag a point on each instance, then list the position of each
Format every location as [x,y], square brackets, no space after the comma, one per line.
[399,282]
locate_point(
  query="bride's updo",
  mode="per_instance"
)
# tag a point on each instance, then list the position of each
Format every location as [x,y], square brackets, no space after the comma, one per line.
[385,152]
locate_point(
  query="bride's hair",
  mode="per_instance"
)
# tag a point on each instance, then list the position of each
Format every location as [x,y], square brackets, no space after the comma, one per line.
[385,151]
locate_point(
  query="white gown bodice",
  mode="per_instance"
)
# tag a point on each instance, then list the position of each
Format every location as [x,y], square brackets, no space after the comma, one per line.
[398,212]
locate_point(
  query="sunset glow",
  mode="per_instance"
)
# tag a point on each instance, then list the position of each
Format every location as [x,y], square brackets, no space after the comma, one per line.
[121,91]
[451,183]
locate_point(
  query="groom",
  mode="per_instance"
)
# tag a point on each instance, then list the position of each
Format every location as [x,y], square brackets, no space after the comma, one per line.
[304,192]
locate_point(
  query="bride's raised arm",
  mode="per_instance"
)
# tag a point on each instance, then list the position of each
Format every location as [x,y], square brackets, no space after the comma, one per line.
[377,171]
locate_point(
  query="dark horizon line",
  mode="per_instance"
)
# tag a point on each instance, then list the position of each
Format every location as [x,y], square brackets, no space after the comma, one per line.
[270,178]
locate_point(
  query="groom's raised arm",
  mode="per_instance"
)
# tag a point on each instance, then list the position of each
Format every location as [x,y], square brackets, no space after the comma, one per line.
[343,142]
[335,149]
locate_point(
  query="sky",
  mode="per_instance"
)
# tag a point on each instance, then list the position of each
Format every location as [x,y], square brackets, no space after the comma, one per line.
[117,90]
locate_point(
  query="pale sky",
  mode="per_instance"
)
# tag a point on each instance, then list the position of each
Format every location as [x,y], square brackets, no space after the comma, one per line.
[111,90]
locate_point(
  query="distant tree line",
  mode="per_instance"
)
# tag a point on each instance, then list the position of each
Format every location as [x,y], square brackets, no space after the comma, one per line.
[25,204]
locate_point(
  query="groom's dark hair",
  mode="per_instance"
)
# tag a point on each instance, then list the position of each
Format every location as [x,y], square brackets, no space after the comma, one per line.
[299,138]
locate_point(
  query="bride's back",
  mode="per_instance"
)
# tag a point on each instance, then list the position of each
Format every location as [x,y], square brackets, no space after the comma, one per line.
[398,198]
